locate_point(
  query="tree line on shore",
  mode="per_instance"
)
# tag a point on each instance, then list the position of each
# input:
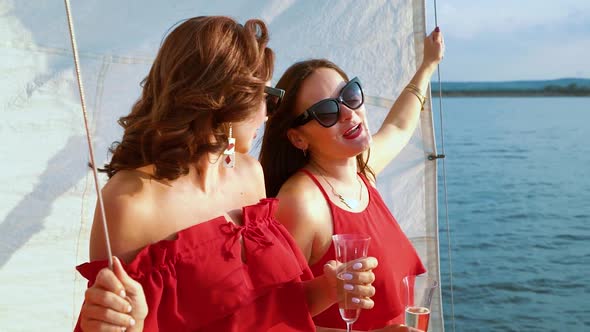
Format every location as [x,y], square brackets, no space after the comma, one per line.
[571,89]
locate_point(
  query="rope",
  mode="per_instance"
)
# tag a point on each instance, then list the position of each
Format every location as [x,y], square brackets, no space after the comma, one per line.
[88,138]
[444,175]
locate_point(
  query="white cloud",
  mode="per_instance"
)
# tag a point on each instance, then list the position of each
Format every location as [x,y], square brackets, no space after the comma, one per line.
[514,40]
[466,19]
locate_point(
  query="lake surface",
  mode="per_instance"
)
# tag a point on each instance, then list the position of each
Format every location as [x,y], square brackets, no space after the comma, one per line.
[518,177]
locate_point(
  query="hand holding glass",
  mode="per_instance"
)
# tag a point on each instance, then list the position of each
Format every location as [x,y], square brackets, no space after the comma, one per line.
[349,247]
[418,291]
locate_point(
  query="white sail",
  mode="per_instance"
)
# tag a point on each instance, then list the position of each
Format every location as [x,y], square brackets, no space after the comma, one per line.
[47,196]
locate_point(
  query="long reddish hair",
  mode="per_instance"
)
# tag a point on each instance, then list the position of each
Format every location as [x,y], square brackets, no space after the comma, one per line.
[210,71]
[279,158]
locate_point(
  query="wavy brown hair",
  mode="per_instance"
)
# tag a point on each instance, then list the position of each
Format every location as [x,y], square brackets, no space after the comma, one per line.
[210,71]
[279,158]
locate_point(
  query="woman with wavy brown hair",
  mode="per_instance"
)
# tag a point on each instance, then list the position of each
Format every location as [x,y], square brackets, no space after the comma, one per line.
[198,246]
[320,160]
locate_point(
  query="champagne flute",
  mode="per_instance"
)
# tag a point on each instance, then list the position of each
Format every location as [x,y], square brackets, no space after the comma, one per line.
[349,247]
[418,296]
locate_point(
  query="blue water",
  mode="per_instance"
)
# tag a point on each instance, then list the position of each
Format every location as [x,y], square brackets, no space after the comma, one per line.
[518,177]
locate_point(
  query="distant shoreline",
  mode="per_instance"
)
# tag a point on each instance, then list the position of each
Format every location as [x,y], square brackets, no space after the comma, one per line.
[511,93]
[555,88]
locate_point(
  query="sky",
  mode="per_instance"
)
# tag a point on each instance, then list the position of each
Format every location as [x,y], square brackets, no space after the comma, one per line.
[505,40]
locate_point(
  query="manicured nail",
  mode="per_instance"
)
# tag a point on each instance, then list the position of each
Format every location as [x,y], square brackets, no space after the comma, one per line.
[348,287]
[122,293]
[437,29]
[129,309]
[131,321]
[123,329]
[357,266]
[356,300]
[347,276]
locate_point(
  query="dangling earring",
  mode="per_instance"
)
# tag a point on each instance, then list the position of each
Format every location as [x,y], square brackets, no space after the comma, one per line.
[304,153]
[229,157]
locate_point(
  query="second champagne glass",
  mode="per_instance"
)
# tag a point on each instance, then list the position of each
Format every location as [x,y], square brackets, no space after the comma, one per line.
[349,247]
[418,297]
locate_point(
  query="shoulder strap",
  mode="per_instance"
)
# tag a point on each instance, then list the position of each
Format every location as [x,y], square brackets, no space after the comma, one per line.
[317,183]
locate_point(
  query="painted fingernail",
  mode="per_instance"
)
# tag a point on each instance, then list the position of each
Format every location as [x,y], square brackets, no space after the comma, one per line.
[356,300]
[347,276]
[123,329]
[122,293]
[357,266]
[348,287]
[437,29]
[129,308]
[131,322]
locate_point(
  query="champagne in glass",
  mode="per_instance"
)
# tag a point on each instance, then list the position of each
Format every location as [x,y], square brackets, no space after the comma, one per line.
[418,317]
[349,247]
[418,291]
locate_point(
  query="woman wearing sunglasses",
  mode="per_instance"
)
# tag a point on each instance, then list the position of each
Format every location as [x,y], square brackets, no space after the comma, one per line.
[186,207]
[320,160]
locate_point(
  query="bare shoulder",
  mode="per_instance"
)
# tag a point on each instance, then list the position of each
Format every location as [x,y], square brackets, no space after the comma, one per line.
[304,212]
[125,183]
[300,187]
[247,163]
[303,200]
[250,173]
[128,203]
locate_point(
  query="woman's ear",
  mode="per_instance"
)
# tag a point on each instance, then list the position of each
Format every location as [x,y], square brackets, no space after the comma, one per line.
[297,139]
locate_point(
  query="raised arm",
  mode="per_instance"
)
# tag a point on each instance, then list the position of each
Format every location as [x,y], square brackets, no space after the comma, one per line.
[403,117]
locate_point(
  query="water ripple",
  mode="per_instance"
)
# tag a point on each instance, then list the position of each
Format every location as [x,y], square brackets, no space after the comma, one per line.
[520,214]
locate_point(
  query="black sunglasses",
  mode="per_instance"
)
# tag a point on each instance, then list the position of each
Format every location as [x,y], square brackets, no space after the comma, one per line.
[327,111]
[273,98]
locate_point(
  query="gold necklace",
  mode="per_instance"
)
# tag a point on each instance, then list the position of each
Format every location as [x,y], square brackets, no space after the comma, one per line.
[350,203]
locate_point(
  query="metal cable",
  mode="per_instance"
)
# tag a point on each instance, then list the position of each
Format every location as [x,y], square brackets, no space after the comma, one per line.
[444,177]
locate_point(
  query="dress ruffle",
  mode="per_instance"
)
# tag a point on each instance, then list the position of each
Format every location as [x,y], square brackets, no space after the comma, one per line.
[199,278]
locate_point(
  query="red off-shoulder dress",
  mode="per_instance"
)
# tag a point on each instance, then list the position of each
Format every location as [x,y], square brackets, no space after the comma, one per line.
[198,282]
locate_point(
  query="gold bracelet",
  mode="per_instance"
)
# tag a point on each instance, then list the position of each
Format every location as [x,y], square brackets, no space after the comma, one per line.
[417,94]
[421,98]
[415,87]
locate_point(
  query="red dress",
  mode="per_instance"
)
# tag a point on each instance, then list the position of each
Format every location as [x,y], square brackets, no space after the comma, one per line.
[199,282]
[396,255]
